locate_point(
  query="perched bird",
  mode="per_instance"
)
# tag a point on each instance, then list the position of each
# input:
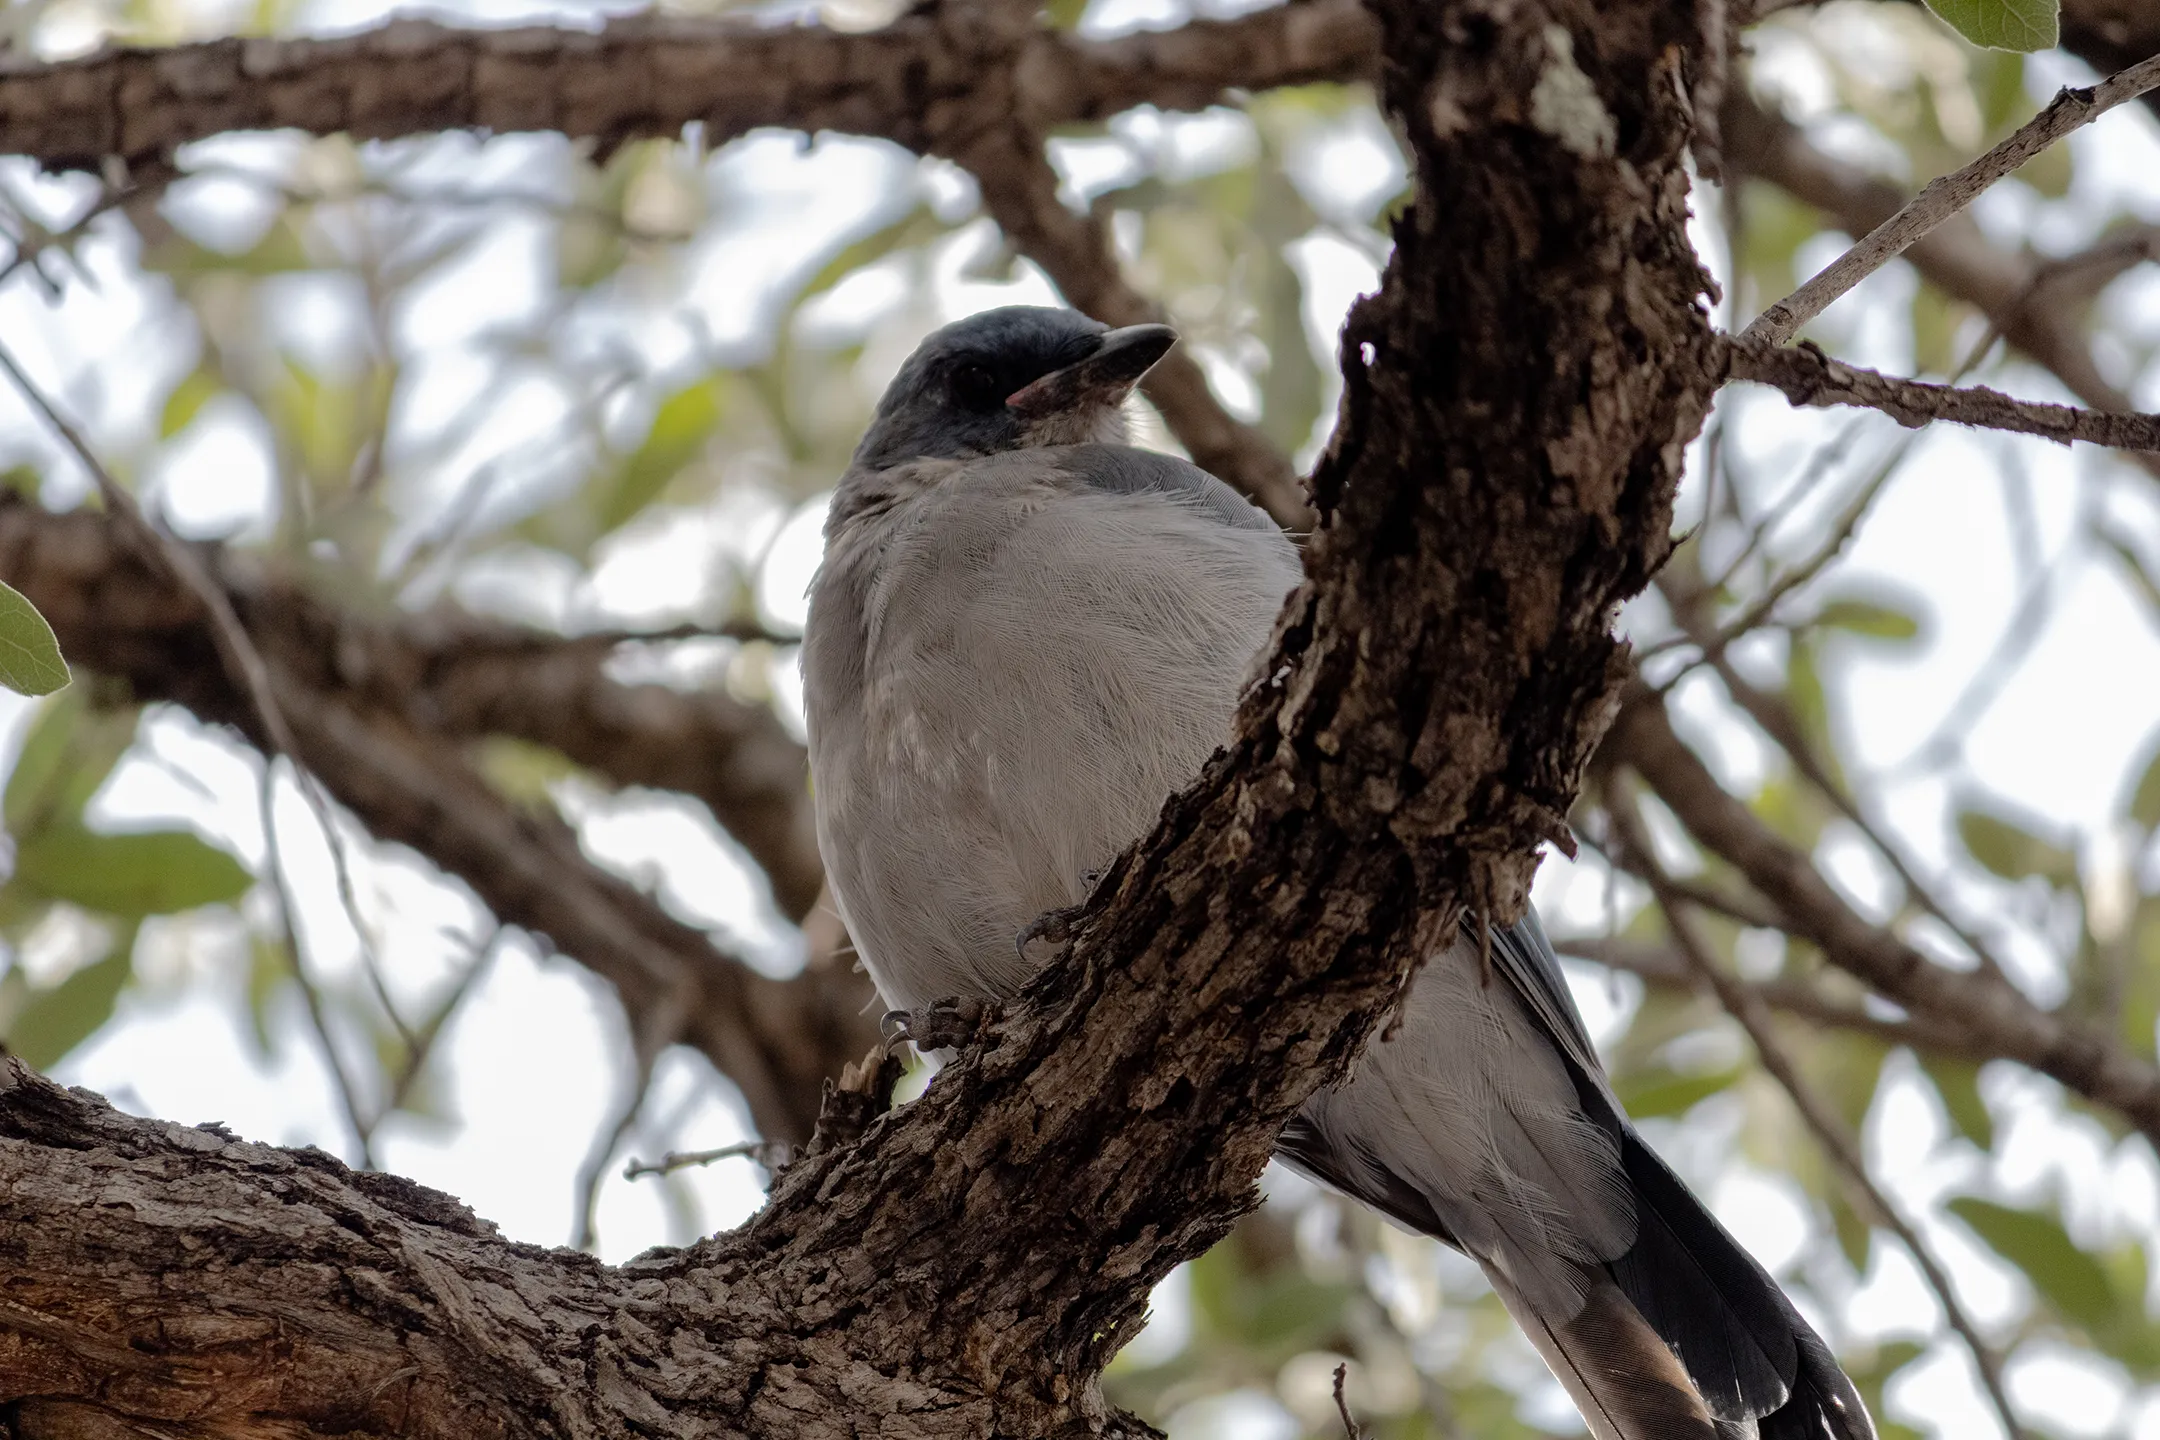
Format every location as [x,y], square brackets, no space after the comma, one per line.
[1024,637]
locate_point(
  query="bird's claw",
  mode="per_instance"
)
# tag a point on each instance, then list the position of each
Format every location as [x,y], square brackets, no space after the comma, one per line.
[1053,927]
[940,1025]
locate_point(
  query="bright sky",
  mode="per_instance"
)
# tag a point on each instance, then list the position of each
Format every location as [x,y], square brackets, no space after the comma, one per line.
[532,1069]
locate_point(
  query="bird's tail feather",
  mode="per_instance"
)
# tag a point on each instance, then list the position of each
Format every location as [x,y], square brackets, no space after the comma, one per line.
[1731,1325]
[1619,1373]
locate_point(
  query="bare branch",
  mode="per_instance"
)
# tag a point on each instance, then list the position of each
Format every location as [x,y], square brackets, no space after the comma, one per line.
[1956,258]
[918,79]
[1663,967]
[1998,1016]
[767,1153]
[380,721]
[1810,377]
[1948,194]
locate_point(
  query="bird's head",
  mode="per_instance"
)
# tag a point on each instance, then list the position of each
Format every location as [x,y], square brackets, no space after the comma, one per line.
[1008,379]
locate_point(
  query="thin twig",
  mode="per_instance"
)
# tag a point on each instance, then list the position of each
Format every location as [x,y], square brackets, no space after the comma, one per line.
[1745,910]
[1342,1403]
[416,1056]
[241,659]
[1775,716]
[652,1030]
[30,249]
[1947,195]
[363,1130]
[1819,465]
[771,1154]
[1828,1129]
[1808,376]
[1759,610]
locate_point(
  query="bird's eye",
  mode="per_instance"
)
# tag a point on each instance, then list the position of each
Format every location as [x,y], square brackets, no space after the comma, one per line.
[975,387]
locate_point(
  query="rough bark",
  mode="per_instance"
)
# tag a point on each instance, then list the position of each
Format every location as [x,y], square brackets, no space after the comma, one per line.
[1517,400]
[635,77]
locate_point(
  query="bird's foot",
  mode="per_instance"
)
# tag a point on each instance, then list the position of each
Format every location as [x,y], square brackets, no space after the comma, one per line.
[1052,928]
[940,1025]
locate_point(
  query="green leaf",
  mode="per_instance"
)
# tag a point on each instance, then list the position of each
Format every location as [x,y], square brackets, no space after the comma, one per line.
[69,751]
[270,970]
[2073,1282]
[2145,798]
[1805,695]
[2013,852]
[1862,617]
[680,427]
[187,400]
[154,872]
[30,662]
[55,1021]
[2002,24]
[1656,1092]
[1958,1082]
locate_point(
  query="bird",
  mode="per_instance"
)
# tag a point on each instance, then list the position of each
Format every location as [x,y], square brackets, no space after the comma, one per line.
[1024,635]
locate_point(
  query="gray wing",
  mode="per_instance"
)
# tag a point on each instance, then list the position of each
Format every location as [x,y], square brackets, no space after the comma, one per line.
[1525,959]
[1746,1349]
[1123,470]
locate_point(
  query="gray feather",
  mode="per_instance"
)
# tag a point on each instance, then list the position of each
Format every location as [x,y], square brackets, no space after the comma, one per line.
[1012,660]
[1123,470]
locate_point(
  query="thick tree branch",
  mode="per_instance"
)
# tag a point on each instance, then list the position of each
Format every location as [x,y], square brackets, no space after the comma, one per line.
[1807,376]
[1946,195]
[960,81]
[968,1266]
[375,715]
[447,673]
[918,81]
[2000,1019]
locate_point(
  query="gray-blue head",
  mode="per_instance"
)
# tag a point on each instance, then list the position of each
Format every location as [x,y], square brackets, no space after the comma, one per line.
[1007,379]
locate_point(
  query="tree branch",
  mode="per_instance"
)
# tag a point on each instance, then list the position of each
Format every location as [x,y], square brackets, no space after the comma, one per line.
[970,1264]
[917,81]
[1955,258]
[1810,377]
[1946,195]
[944,80]
[371,710]
[1662,966]
[1997,1016]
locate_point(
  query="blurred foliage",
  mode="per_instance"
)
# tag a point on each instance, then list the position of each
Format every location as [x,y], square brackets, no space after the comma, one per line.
[659,395]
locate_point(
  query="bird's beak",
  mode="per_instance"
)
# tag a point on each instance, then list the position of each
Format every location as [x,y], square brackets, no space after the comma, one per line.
[1104,378]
